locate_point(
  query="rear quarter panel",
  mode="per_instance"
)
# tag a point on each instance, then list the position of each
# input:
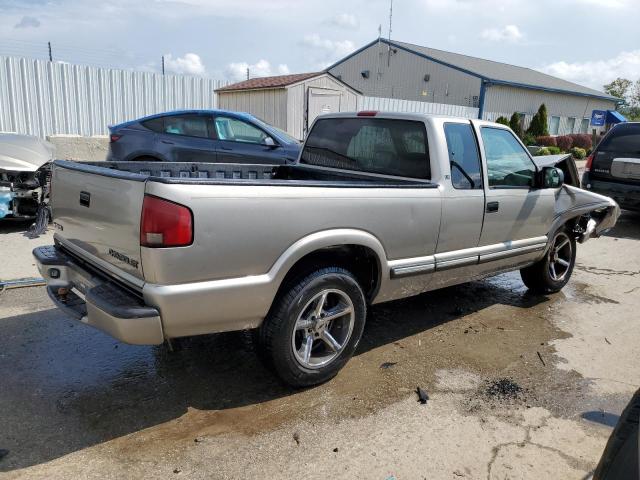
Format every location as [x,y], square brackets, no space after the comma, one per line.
[242,230]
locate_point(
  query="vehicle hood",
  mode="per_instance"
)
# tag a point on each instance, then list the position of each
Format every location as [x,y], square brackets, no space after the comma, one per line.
[23,153]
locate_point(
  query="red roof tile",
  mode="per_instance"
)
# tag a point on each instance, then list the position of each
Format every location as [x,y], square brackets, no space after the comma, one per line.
[269,82]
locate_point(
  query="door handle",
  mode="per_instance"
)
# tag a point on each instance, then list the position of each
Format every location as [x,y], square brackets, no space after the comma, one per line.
[492,207]
[167,142]
[228,149]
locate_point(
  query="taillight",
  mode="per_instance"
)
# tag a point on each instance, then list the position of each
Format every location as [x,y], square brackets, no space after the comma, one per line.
[367,113]
[165,224]
[587,166]
[114,137]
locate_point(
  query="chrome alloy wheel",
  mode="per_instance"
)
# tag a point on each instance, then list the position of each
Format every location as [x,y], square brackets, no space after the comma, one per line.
[560,257]
[323,328]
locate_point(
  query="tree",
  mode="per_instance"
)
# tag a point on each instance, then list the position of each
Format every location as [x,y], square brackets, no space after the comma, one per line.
[502,120]
[634,95]
[539,126]
[515,124]
[618,88]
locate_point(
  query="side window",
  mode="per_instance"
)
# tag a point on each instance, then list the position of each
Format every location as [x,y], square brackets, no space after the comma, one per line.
[235,130]
[554,125]
[189,125]
[155,124]
[463,156]
[508,164]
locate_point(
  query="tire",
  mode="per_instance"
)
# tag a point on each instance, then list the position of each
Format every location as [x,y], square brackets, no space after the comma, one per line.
[553,271]
[305,348]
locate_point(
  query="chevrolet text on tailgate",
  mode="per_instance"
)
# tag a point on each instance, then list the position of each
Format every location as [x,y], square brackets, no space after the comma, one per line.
[379,206]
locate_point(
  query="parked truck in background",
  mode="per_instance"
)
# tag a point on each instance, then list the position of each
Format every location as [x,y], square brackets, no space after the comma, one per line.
[379,206]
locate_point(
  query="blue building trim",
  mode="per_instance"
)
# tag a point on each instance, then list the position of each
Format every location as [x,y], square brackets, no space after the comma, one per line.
[483,87]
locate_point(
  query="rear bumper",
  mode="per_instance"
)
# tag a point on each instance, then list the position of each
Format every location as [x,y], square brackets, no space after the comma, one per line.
[92,299]
[626,195]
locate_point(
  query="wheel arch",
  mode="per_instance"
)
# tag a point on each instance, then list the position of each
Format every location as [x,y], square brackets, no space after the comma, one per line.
[358,251]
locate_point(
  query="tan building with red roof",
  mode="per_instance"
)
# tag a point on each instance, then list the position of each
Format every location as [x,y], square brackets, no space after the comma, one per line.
[289,102]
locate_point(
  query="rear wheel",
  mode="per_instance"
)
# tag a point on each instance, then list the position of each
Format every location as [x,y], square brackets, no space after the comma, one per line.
[314,327]
[552,272]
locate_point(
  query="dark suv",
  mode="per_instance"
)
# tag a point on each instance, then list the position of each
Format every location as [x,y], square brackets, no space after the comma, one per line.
[215,136]
[613,169]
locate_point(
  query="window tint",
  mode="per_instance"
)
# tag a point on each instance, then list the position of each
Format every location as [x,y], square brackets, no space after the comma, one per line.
[377,145]
[623,138]
[235,130]
[155,124]
[190,125]
[463,156]
[508,164]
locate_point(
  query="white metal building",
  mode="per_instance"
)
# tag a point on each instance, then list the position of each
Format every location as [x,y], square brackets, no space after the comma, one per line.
[289,102]
[399,70]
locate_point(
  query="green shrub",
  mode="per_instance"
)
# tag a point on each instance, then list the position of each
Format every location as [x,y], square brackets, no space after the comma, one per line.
[578,152]
[515,124]
[554,150]
[528,139]
[502,120]
[539,125]
[543,151]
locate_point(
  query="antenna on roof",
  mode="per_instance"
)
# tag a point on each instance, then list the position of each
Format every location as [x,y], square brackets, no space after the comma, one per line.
[390,23]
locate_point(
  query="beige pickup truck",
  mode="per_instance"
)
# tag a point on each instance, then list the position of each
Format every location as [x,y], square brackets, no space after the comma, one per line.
[379,206]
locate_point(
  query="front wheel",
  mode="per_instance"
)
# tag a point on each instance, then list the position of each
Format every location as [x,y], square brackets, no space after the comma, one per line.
[552,272]
[314,327]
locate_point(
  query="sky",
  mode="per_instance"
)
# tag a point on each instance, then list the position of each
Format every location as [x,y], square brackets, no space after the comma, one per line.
[590,42]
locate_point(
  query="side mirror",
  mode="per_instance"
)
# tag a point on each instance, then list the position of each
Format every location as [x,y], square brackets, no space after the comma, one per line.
[552,177]
[269,142]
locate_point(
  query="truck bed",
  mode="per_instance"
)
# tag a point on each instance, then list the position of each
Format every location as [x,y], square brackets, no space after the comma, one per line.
[241,174]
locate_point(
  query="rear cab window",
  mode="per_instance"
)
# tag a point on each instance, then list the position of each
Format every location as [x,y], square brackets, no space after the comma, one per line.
[373,145]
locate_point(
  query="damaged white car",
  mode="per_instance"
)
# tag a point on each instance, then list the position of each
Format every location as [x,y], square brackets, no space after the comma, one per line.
[25,177]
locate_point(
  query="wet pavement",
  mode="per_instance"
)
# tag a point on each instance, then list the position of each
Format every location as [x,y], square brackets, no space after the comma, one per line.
[75,401]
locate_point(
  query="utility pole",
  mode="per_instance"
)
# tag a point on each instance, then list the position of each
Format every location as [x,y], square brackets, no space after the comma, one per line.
[50,56]
[247,73]
[162,64]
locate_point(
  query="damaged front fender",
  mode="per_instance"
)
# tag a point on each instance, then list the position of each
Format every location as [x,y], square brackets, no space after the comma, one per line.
[589,214]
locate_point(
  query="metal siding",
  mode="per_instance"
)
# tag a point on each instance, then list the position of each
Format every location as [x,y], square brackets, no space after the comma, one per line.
[268,104]
[43,98]
[503,100]
[404,77]
[399,105]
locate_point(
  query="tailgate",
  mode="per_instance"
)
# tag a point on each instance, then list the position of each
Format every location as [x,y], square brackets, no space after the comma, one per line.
[96,211]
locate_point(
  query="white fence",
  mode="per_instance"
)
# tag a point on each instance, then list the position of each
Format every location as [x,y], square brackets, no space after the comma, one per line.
[43,98]
[411,106]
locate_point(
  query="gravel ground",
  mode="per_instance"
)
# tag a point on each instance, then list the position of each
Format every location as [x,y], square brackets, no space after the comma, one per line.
[520,387]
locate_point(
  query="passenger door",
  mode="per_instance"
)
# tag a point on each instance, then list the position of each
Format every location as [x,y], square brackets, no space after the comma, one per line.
[514,208]
[242,142]
[188,137]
